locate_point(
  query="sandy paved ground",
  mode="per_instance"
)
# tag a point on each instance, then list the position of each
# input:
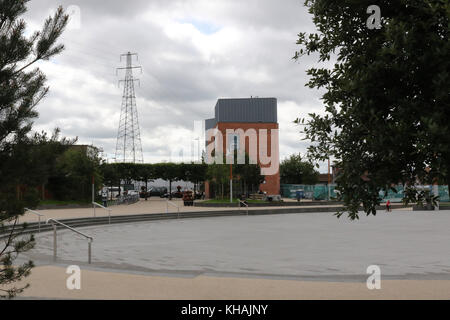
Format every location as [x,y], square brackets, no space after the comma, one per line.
[154,205]
[50,282]
[99,283]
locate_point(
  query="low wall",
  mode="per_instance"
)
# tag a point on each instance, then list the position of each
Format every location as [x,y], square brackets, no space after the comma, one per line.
[298,205]
[86,222]
[268,204]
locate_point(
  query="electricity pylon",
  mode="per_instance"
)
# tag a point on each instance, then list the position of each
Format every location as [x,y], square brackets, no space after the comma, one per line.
[129,146]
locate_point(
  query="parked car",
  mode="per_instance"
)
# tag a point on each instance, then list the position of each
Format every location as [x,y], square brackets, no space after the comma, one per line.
[154,192]
[112,192]
[132,192]
[177,194]
[199,195]
[158,192]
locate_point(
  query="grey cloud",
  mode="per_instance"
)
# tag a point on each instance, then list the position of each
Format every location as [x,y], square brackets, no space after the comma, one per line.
[92,8]
[179,84]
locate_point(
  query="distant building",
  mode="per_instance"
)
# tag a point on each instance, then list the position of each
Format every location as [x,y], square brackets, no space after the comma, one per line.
[324,178]
[248,115]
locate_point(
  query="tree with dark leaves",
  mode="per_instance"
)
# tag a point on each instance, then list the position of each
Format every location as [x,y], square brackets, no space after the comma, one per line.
[22,87]
[295,170]
[387,97]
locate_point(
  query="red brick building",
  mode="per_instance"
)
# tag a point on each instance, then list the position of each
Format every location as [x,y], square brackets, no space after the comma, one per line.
[251,122]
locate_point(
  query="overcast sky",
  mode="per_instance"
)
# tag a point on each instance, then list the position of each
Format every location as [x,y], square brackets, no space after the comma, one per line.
[192,53]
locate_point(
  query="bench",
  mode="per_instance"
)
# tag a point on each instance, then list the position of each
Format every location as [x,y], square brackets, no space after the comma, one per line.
[257,196]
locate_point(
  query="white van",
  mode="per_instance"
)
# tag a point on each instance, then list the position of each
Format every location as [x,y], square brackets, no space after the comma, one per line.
[112,191]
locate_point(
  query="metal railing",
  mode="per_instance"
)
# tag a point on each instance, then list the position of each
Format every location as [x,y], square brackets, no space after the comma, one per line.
[39,217]
[55,223]
[174,205]
[95,204]
[128,199]
[245,204]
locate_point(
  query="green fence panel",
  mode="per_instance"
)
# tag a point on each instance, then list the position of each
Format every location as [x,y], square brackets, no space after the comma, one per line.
[392,195]
[398,197]
[443,194]
[320,192]
[316,192]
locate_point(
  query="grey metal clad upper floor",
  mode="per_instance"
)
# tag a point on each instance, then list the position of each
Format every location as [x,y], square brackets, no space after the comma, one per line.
[210,124]
[246,110]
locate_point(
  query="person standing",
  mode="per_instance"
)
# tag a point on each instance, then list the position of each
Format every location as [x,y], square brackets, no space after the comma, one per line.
[388,206]
[105,199]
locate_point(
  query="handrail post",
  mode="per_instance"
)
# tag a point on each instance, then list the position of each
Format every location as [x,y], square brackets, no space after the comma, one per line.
[39,217]
[174,205]
[55,223]
[95,204]
[54,242]
[89,251]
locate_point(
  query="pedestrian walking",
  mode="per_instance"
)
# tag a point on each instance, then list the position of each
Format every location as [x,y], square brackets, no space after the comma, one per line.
[388,206]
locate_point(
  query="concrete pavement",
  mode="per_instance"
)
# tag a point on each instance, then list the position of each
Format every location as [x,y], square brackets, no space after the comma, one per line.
[50,283]
[296,256]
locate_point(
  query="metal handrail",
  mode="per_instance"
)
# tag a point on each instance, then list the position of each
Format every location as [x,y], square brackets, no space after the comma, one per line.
[174,205]
[245,204]
[100,206]
[39,217]
[128,199]
[55,223]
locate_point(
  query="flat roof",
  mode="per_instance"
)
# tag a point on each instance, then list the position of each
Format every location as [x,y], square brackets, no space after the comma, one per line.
[247,110]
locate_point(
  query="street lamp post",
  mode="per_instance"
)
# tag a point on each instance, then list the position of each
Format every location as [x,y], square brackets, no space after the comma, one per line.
[231,183]
[329,180]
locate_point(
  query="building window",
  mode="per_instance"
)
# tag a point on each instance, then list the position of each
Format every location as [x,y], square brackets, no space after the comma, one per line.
[233,142]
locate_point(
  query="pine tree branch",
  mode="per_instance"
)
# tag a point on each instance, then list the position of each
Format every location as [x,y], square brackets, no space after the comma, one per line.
[10,237]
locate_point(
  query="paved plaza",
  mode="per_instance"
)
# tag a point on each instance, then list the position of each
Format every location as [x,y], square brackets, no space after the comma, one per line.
[405,244]
[282,256]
